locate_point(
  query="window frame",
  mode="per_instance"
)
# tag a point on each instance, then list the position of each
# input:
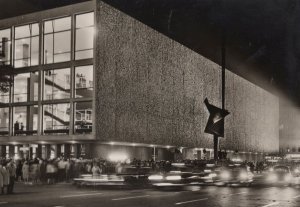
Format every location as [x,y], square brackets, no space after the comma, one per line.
[75,35]
[30,39]
[53,41]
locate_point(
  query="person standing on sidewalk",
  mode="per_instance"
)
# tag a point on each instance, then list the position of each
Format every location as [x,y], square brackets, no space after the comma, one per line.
[61,165]
[11,167]
[25,172]
[5,175]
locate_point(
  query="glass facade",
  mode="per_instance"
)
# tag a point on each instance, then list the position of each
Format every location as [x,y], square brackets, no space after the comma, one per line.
[25,119]
[26,45]
[26,87]
[57,84]
[84,36]
[5,46]
[83,117]
[4,121]
[84,81]
[49,100]
[56,118]
[4,97]
[57,40]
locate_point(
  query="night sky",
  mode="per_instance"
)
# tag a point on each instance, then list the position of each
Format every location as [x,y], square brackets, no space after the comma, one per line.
[262,36]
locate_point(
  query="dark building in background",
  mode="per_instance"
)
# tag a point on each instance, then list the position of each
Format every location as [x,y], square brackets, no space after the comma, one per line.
[92,81]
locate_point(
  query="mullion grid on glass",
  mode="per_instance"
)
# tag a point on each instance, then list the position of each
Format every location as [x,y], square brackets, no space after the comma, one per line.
[23,38]
[51,112]
[77,29]
[53,34]
[14,58]
[5,41]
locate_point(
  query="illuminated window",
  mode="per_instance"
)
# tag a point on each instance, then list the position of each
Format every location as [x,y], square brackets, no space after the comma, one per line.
[84,36]
[83,117]
[25,120]
[56,118]
[84,81]
[57,40]
[26,45]
[5,46]
[4,97]
[57,84]
[26,87]
[4,121]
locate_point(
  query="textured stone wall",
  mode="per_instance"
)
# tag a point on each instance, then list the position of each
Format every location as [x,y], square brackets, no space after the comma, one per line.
[253,124]
[289,127]
[150,89]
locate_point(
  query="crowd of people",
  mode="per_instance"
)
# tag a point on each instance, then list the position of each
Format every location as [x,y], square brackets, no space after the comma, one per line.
[41,171]
[7,176]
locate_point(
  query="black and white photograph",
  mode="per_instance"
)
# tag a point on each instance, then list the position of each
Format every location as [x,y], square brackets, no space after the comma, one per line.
[149,103]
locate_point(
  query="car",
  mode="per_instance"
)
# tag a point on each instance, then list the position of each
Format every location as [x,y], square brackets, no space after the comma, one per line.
[209,175]
[280,175]
[234,175]
[178,176]
[295,170]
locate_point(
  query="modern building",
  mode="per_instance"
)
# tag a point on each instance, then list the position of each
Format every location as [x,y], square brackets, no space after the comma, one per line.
[92,81]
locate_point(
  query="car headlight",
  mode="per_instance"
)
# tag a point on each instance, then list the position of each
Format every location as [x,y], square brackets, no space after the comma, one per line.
[212,175]
[272,177]
[225,175]
[244,175]
[155,177]
[271,169]
[173,177]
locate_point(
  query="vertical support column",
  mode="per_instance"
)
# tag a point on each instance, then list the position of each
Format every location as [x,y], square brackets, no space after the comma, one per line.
[223,67]
[58,150]
[71,124]
[33,152]
[7,151]
[154,153]
[67,150]
[43,152]
[53,151]
[16,152]
[223,51]
[39,151]
[11,151]
[74,150]
[62,150]
[40,81]
[199,154]
[82,150]
[216,147]
[2,150]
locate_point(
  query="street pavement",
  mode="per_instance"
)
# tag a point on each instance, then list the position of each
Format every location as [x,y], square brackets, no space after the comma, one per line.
[67,195]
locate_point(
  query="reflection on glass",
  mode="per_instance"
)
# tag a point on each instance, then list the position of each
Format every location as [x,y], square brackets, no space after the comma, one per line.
[57,84]
[84,36]
[25,120]
[56,119]
[84,81]
[26,45]
[83,117]
[4,121]
[26,87]
[5,46]
[57,40]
